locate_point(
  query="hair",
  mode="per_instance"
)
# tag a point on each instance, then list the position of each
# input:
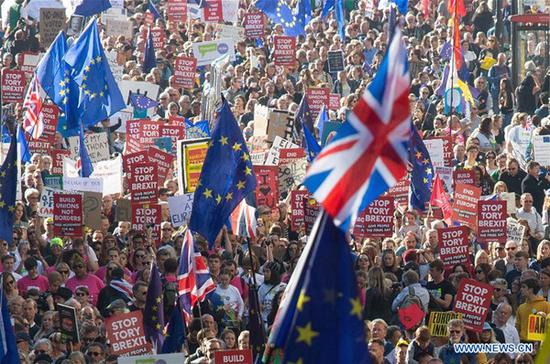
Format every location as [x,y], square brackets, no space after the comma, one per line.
[410,277]
[456,323]
[437,264]
[531,283]
[375,280]
[539,248]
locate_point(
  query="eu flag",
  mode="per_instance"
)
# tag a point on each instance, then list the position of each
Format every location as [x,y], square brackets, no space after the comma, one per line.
[175,332]
[226,177]
[8,186]
[141,102]
[302,119]
[255,323]
[311,145]
[149,58]
[292,20]
[151,7]
[24,152]
[86,166]
[197,129]
[8,350]
[421,174]
[153,312]
[91,7]
[98,94]
[320,319]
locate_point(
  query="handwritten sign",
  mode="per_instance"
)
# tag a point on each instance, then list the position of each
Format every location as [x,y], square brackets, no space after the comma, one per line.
[439,320]
[267,188]
[180,209]
[52,20]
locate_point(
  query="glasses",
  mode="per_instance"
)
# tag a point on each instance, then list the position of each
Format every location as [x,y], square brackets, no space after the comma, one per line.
[10,282]
[79,266]
[497,289]
[479,271]
[40,351]
[528,201]
[455,331]
[81,294]
[63,271]
[140,256]
[94,353]
[511,248]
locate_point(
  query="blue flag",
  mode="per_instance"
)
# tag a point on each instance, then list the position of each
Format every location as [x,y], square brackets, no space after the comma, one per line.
[322,118]
[327,7]
[340,18]
[302,119]
[91,7]
[142,102]
[197,129]
[149,58]
[292,20]
[402,5]
[97,91]
[311,145]
[151,7]
[24,152]
[422,172]
[175,333]
[153,312]
[227,177]
[8,186]
[8,350]
[317,305]
[86,166]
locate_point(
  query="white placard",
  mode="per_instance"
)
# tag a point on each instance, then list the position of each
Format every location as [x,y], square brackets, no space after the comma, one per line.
[515,231]
[109,172]
[207,52]
[230,10]
[446,175]
[82,184]
[435,148]
[45,205]
[176,358]
[97,145]
[541,144]
[180,208]
[273,153]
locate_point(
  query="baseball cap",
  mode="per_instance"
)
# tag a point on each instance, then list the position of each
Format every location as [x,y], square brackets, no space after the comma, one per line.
[56,241]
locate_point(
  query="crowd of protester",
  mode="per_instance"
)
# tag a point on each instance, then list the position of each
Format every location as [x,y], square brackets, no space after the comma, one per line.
[494,138]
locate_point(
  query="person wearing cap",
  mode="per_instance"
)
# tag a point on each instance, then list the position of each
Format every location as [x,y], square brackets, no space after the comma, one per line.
[56,248]
[400,352]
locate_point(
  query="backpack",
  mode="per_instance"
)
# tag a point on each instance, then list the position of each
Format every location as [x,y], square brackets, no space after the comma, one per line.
[409,321]
[411,299]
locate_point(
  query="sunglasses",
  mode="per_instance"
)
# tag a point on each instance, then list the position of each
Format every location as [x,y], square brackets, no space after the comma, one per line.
[511,248]
[94,353]
[455,331]
[81,294]
[63,271]
[479,271]
[498,289]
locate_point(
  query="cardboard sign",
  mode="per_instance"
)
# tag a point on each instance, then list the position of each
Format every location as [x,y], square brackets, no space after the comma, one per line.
[510,198]
[233,356]
[52,20]
[376,220]
[174,132]
[207,52]
[464,176]
[447,149]
[541,146]
[435,150]
[54,181]
[537,327]
[336,62]
[146,217]
[184,71]
[13,85]
[439,320]
[272,123]
[67,214]
[297,208]
[97,145]
[141,134]
[110,172]
[92,209]
[45,205]
[117,26]
[191,155]
[30,61]
[515,231]
[284,50]
[453,246]
[143,183]
[267,187]
[311,211]
[176,10]
[50,115]
[83,184]
[491,221]
[68,323]
[317,98]
[473,300]
[333,101]
[254,25]
[125,333]
[180,208]
[123,210]
[292,169]
[465,204]
[145,88]
[163,161]
[400,191]
[230,10]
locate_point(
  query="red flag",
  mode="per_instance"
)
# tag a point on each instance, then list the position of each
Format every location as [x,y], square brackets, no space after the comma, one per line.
[457,48]
[426,9]
[440,199]
[456,7]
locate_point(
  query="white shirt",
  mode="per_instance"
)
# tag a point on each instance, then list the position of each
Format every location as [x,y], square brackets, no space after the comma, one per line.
[232,298]
[534,220]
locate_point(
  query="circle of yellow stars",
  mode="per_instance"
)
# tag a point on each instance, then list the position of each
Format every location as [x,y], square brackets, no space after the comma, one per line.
[11,208]
[283,21]
[97,60]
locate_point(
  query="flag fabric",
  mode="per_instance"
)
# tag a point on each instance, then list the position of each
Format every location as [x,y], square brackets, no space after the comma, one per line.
[543,355]
[201,3]
[426,9]
[9,352]
[369,153]
[402,5]
[255,323]
[32,120]
[469,93]
[301,118]
[292,20]
[152,8]
[340,18]
[322,118]
[8,188]
[445,51]
[142,102]
[153,312]
[84,163]
[457,47]
[175,331]
[315,305]
[421,174]
[194,280]
[149,58]
[98,94]
[92,7]
[311,146]
[440,199]
[199,129]
[456,7]
[243,222]
[24,153]
[226,178]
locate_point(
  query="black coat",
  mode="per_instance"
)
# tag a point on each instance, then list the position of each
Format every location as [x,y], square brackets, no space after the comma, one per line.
[536,188]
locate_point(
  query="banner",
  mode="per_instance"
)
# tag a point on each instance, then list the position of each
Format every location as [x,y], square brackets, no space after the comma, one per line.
[175,358]
[376,220]
[146,217]
[515,231]
[439,320]
[464,176]
[180,208]
[435,150]
[141,134]
[292,169]
[446,175]
[13,85]
[131,159]
[44,145]
[541,146]
[284,49]
[465,204]
[52,20]
[82,184]
[125,333]
[67,214]
[176,10]
[317,97]
[453,246]
[163,161]
[336,62]
[92,207]
[297,208]
[491,221]
[97,145]
[143,183]
[207,52]
[230,10]
[311,211]
[241,356]
[184,71]
[45,205]
[267,187]
[473,300]
[254,25]
[191,155]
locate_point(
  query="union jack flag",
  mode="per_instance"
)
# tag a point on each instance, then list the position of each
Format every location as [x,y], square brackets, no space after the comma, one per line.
[369,154]
[194,281]
[242,220]
[32,120]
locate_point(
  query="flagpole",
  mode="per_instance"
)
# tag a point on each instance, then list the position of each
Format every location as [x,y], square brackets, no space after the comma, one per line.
[452,68]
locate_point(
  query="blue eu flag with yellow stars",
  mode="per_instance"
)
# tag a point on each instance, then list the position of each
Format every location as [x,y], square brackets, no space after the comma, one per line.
[302,120]
[320,318]
[153,312]
[226,178]
[421,174]
[8,186]
[292,20]
[97,92]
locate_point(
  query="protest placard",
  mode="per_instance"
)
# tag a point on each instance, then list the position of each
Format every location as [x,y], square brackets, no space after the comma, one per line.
[297,208]
[68,323]
[30,61]
[510,198]
[125,333]
[158,36]
[330,129]
[50,115]
[123,210]
[241,356]
[230,31]
[465,204]
[213,11]
[97,145]
[13,85]
[45,205]
[446,175]
[514,231]
[174,358]
[207,52]
[54,181]
[400,191]
[464,176]
[491,221]
[174,132]
[143,183]
[145,217]
[541,146]
[435,150]
[67,214]
[180,208]
[230,10]
[473,300]
[376,220]
[141,134]
[254,24]
[176,10]
[279,143]
[537,327]
[311,211]
[163,161]
[447,149]
[438,322]
[292,169]
[272,123]
[453,246]
[184,71]
[83,184]
[131,159]
[110,172]
[336,62]
[191,155]
[145,88]
[117,26]
[317,97]
[267,187]
[52,20]
[333,101]
[92,209]
[284,49]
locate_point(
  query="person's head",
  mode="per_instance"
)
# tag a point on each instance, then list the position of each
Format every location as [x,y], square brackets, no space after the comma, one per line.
[29,309]
[379,329]
[529,287]
[244,340]
[389,258]
[31,265]
[209,323]
[212,346]
[521,261]
[512,165]
[229,338]
[502,313]
[42,346]
[214,263]
[376,350]
[543,249]
[524,358]
[436,269]
[96,352]
[8,282]
[455,330]
[482,272]
[410,277]
[401,351]
[511,248]
[533,168]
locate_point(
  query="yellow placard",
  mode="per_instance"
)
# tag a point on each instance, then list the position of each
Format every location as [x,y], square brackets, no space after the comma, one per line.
[536,328]
[438,322]
[194,155]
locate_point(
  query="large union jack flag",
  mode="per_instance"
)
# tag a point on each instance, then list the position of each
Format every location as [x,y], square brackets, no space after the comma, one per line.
[369,154]
[32,120]
[194,281]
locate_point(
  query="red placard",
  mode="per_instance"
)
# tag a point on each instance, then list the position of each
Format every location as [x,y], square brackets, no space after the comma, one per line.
[254,25]
[13,85]
[447,149]
[334,101]
[175,132]
[317,98]
[400,191]
[233,356]
[376,220]
[311,211]
[44,144]
[284,49]
[464,176]
[163,162]
[473,300]
[184,71]
[491,221]
[57,160]
[147,216]
[141,134]
[288,155]
[297,208]
[158,38]
[267,187]
[213,10]
[130,160]
[125,333]
[176,11]
[143,183]
[67,214]
[453,246]
[465,204]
